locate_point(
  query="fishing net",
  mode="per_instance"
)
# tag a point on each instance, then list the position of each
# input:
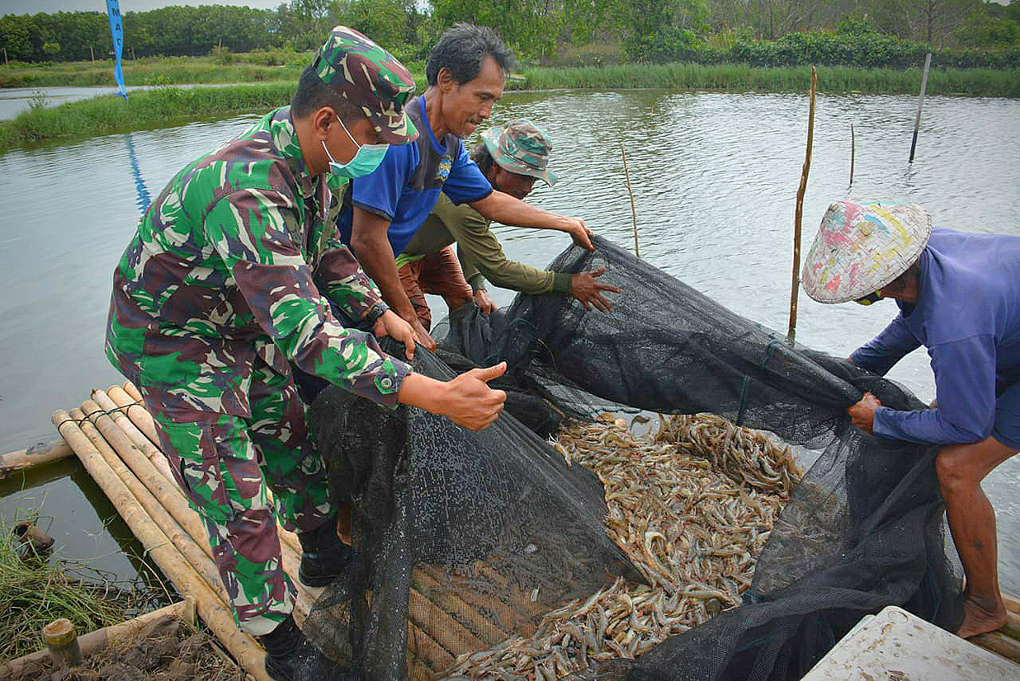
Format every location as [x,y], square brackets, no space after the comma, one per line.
[500,555]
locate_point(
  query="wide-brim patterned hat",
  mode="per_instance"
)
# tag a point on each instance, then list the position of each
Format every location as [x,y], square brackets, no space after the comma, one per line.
[861,247]
[371,78]
[522,148]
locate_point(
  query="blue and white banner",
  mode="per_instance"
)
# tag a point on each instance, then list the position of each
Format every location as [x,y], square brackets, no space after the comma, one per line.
[117,31]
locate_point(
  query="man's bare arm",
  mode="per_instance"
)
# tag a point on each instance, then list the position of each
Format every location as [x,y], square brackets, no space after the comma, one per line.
[509,210]
[372,248]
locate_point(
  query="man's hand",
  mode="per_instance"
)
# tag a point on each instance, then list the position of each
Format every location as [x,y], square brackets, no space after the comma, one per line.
[863,413]
[389,324]
[579,233]
[421,334]
[483,301]
[470,402]
[466,400]
[587,289]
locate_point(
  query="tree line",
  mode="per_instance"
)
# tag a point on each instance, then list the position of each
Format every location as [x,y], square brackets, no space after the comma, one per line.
[767,32]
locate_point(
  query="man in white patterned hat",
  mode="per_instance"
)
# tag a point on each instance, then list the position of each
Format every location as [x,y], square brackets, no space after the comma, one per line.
[958,295]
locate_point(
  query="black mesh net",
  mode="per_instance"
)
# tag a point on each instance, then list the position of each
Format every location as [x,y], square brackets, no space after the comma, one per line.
[467,539]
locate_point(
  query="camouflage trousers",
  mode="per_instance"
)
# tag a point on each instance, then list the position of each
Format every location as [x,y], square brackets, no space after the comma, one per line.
[227,465]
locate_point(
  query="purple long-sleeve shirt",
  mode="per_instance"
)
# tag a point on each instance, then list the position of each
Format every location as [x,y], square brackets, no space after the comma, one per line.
[968,316]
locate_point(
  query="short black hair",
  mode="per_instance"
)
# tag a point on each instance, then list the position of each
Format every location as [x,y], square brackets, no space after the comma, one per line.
[462,49]
[312,94]
[480,155]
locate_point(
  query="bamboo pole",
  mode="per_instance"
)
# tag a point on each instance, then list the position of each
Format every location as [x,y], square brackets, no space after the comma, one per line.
[165,491]
[97,640]
[633,209]
[791,333]
[100,433]
[62,643]
[131,390]
[852,145]
[1012,603]
[44,452]
[212,611]
[136,412]
[999,644]
[920,103]
[138,439]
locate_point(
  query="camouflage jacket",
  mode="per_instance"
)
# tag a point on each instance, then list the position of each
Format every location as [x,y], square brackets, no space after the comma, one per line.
[231,263]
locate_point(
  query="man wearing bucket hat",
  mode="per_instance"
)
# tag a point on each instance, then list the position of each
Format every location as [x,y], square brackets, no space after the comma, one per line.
[511,159]
[230,276]
[466,71]
[958,295]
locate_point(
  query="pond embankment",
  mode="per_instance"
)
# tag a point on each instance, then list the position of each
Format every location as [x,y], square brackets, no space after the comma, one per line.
[169,105]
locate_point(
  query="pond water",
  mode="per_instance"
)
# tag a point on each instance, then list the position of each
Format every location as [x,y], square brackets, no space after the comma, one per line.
[714,179]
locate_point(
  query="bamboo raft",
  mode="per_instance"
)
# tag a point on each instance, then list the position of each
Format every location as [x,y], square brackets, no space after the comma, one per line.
[115,438]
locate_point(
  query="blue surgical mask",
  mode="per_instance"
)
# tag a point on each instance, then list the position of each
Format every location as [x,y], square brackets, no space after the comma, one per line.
[367,159]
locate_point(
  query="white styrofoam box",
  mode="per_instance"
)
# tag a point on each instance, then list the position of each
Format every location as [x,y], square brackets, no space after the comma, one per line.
[895,645]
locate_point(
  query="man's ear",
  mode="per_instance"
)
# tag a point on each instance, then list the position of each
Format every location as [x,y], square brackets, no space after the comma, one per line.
[445,80]
[322,118]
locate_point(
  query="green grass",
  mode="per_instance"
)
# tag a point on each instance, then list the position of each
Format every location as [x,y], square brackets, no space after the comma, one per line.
[33,594]
[167,106]
[251,67]
[159,107]
[743,78]
[159,71]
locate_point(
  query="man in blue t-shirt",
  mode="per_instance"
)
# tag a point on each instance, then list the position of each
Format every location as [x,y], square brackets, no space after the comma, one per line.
[957,295]
[382,211]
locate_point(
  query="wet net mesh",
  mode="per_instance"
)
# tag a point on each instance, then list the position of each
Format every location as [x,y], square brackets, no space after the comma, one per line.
[466,539]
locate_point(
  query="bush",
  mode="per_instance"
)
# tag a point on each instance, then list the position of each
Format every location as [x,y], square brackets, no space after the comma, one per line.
[222,55]
[852,42]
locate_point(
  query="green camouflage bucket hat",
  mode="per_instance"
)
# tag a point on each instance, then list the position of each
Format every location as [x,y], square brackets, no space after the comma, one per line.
[522,148]
[368,75]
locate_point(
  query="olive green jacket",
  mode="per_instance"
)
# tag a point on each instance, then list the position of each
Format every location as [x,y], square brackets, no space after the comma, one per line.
[481,256]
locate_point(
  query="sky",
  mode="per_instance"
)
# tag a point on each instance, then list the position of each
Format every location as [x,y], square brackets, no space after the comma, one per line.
[34,6]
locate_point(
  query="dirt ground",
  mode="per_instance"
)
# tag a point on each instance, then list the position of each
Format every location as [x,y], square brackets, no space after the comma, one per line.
[176,653]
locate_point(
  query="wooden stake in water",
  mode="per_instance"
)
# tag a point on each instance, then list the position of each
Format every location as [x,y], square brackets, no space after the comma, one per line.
[920,103]
[792,331]
[633,210]
[852,154]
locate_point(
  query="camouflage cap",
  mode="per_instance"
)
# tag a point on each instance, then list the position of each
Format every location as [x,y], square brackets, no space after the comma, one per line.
[361,71]
[522,148]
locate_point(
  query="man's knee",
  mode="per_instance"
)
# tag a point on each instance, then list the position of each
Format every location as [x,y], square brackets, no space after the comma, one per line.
[951,468]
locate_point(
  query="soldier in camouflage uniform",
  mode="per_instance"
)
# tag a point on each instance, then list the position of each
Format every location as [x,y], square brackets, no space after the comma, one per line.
[229,277]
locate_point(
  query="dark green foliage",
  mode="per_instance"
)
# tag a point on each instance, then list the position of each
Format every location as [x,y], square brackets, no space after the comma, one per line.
[862,33]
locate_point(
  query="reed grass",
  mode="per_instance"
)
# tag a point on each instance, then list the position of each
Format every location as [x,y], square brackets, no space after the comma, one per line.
[159,107]
[164,106]
[34,593]
[150,71]
[744,78]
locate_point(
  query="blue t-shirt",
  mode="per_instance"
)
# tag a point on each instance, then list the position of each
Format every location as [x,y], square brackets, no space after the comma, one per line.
[406,185]
[968,316]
